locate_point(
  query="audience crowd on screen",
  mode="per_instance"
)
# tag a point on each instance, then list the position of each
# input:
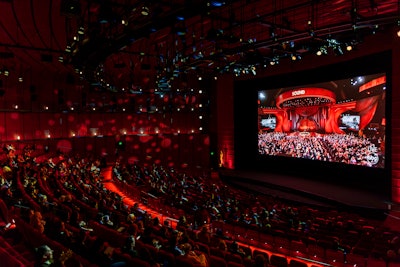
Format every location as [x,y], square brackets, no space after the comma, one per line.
[346,148]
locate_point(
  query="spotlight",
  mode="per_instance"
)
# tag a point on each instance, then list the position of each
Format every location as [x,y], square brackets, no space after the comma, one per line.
[81,30]
[216,3]
[398,31]
[145,11]
[349,47]
[322,51]
[338,50]
[274,61]
[253,70]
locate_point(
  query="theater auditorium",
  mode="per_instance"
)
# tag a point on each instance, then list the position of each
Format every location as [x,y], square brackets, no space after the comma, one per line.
[196,133]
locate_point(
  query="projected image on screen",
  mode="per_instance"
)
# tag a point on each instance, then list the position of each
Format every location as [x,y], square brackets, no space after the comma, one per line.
[268,123]
[349,122]
[336,121]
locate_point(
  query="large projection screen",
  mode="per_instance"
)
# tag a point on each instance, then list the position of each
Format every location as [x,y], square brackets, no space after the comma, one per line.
[339,121]
[330,123]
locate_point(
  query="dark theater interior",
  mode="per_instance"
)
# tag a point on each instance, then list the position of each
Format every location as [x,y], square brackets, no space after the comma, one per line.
[197,133]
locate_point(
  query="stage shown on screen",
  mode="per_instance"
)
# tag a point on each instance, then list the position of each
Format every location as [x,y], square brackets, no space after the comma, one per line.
[336,121]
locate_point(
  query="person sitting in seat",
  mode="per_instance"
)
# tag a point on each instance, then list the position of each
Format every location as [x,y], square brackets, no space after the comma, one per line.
[196,257]
[44,256]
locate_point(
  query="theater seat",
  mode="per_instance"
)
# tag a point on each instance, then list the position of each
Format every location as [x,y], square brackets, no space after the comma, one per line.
[217,261]
[166,257]
[278,261]
[355,260]
[296,263]
[181,261]
[235,264]
[375,262]
[232,257]
[4,218]
[132,261]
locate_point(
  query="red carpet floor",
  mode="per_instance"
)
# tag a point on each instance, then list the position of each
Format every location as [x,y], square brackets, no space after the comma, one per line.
[108,183]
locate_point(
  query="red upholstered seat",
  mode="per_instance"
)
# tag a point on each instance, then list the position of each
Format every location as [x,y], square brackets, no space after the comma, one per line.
[132,261]
[355,259]
[182,261]
[235,264]
[279,261]
[164,256]
[232,257]
[297,263]
[298,249]
[334,257]
[376,262]
[4,218]
[217,261]
[217,252]
[203,248]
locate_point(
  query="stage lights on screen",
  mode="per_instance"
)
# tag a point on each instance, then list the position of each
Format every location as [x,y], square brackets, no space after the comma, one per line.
[145,11]
[322,51]
[349,47]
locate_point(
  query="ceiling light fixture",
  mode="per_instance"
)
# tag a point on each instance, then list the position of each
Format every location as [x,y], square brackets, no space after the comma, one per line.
[216,3]
[398,26]
[145,11]
[322,51]
[81,30]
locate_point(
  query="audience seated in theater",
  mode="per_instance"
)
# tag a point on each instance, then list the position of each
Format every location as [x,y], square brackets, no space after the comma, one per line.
[213,202]
[174,243]
[195,256]
[235,249]
[130,246]
[105,220]
[44,256]
[165,230]
[222,245]
[185,237]
[204,236]
[37,221]
[146,255]
[182,222]
[260,261]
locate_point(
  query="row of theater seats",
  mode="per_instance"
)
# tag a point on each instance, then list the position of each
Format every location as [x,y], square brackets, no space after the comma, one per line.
[323,250]
[15,255]
[219,258]
[307,249]
[279,250]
